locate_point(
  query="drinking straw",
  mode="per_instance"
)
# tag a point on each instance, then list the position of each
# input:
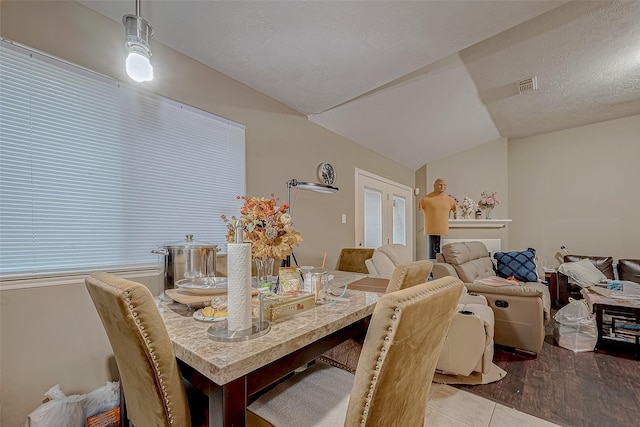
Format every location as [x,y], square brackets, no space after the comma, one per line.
[324,259]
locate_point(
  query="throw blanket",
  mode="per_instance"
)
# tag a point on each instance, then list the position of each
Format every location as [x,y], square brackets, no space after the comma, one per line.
[496,281]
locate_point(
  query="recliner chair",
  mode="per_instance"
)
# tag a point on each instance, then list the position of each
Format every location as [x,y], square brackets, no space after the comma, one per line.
[520,311]
[385,259]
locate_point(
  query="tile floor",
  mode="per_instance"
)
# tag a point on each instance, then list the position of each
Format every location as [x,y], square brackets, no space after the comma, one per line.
[450,407]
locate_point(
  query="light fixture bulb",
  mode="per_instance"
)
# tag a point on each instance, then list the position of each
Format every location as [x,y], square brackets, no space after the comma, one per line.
[138,67]
[137,32]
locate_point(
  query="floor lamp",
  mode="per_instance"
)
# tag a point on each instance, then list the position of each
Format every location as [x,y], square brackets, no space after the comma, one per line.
[310,186]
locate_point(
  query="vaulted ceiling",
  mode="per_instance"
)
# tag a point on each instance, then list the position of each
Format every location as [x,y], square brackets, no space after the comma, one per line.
[416,80]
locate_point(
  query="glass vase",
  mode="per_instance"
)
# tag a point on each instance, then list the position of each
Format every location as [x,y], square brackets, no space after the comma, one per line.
[487,213]
[264,271]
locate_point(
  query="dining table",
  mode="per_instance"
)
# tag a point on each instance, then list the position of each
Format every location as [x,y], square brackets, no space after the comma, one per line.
[230,373]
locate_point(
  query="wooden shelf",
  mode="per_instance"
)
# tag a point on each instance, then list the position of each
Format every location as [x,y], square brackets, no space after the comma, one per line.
[478,223]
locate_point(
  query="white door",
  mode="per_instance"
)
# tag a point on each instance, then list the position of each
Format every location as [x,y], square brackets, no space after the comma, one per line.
[384,211]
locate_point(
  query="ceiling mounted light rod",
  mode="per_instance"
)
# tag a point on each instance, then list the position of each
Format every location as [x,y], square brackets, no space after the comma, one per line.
[138,32]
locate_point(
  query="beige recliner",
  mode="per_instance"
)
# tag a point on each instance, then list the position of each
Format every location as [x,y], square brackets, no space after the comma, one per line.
[385,259]
[520,311]
[468,346]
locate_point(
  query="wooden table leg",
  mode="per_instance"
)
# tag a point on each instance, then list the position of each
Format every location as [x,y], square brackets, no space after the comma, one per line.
[234,402]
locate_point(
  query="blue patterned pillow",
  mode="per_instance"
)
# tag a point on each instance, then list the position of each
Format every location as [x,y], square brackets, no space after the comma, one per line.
[521,265]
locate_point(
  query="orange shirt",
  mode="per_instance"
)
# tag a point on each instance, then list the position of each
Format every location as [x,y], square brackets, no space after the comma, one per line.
[436,209]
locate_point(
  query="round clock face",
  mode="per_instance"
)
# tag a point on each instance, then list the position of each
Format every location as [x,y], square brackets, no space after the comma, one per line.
[326,174]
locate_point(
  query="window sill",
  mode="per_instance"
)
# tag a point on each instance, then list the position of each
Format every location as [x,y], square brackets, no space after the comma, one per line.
[72,278]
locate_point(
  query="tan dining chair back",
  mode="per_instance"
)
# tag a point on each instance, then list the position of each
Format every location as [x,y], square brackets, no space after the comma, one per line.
[409,274]
[346,354]
[353,259]
[400,353]
[393,378]
[149,374]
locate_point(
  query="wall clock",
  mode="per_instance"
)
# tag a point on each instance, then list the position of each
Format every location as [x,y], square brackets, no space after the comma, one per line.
[326,174]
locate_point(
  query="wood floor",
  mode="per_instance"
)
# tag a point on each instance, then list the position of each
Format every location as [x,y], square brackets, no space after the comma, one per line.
[571,389]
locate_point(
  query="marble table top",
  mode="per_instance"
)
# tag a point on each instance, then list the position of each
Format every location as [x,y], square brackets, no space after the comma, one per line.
[223,362]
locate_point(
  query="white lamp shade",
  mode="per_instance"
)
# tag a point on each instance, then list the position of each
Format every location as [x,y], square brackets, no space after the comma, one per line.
[139,68]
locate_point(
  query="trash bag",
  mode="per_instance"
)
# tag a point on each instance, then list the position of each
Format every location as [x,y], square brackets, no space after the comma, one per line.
[575,329]
[101,399]
[59,411]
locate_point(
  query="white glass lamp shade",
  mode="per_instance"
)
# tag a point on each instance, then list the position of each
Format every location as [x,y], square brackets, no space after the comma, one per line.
[138,67]
[137,32]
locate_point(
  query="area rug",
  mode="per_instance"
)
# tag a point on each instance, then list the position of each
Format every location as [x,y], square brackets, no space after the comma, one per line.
[495,373]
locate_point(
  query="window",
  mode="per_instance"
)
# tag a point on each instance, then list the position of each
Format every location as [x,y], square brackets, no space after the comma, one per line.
[95,173]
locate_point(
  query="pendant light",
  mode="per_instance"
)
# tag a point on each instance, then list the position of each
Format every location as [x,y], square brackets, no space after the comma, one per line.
[138,32]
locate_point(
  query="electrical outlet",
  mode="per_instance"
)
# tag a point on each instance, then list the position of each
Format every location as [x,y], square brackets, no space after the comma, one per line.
[344,218]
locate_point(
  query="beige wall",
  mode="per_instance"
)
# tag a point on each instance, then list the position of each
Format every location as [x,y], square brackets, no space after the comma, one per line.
[579,188]
[65,343]
[468,174]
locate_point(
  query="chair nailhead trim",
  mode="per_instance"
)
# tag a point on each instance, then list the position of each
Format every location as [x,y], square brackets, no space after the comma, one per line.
[374,379]
[147,340]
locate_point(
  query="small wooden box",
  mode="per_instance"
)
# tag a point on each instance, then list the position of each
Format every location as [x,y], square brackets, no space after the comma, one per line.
[279,306]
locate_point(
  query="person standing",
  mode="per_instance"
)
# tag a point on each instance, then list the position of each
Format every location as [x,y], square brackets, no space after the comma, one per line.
[436,207]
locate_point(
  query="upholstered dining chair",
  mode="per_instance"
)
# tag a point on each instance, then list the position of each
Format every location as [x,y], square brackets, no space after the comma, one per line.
[353,259]
[346,354]
[397,364]
[153,388]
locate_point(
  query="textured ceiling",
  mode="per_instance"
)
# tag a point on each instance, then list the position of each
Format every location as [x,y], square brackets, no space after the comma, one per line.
[419,80]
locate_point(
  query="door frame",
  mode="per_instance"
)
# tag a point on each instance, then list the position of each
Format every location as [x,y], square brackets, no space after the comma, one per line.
[359,214]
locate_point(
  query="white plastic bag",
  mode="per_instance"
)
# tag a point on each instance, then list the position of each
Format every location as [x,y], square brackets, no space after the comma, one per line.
[576,329]
[101,399]
[60,411]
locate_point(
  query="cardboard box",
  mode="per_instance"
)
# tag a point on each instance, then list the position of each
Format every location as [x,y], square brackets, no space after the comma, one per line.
[279,306]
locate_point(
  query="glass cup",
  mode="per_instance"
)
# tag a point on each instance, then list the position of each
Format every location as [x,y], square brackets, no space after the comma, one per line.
[305,272]
[319,284]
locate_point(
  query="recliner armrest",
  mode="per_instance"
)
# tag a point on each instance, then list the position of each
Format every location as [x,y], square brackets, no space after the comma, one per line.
[473,299]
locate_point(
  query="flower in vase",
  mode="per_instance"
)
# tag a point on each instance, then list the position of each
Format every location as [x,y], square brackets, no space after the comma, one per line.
[468,207]
[267,226]
[488,200]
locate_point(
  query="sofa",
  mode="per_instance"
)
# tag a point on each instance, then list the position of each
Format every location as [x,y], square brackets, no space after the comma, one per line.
[567,290]
[629,269]
[625,269]
[520,311]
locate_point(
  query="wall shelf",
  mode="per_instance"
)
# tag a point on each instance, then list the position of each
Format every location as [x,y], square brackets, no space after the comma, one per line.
[478,223]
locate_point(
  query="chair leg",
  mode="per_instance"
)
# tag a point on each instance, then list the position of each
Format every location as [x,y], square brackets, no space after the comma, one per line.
[124,420]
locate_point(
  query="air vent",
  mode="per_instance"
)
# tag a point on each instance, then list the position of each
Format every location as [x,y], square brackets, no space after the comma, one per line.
[527,85]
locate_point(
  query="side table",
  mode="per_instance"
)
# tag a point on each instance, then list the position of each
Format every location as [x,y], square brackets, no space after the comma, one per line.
[611,314]
[551,276]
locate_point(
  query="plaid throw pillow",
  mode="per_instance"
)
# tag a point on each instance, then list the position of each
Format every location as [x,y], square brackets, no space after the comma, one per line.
[521,265]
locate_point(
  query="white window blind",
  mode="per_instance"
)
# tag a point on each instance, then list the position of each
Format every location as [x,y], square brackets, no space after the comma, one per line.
[95,173]
[372,218]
